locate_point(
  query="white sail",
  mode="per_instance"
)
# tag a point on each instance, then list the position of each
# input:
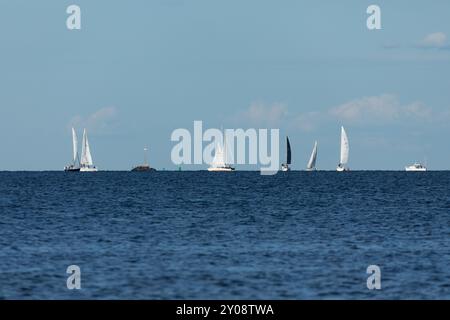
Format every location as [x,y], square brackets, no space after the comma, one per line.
[86,158]
[344,147]
[219,157]
[220,161]
[313,158]
[75,146]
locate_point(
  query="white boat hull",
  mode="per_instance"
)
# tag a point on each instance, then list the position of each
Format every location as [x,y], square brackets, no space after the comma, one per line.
[221,169]
[415,169]
[342,169]
[88,169]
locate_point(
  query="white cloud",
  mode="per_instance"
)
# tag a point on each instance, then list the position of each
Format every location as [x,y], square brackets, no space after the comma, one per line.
[307,121]
[434,40]
[379,109]
[97,121]
[384,109]
[264,115]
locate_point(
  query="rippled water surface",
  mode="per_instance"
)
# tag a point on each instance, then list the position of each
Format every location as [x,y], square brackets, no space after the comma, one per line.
[200,235]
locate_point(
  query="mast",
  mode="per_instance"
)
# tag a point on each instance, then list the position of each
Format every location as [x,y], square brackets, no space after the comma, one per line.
[145,156]
[225,149]
[83,149]
[75,146]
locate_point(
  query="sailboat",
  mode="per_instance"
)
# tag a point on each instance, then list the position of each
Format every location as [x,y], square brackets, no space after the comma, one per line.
[143,167]
[73,167]
[219,163]
[342,166]
[86,164]
[285,166]
[311,166]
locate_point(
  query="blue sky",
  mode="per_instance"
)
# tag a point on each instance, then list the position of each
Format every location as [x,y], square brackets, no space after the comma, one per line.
[140,69]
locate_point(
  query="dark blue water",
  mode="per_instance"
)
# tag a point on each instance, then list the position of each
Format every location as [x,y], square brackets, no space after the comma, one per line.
[200,235]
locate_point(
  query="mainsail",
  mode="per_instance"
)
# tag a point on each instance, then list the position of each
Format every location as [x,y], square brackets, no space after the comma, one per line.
[75,146]
[220,161]
[86,158]
[344,147]
[288,151]
[219,157]
[313,158]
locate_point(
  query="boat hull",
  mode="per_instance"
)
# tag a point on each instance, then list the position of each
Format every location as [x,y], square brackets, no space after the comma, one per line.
[71,169]
[342,169]
[88,169]
[415,169]
[142,169]
[221,169]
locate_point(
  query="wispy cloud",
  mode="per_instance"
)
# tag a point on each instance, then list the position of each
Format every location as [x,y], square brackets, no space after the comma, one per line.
[380,109]
[99,121]
[434,40]
[307,121]
[260,114]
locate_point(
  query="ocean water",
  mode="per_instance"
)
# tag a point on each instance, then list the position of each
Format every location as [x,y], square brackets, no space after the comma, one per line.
[200,235]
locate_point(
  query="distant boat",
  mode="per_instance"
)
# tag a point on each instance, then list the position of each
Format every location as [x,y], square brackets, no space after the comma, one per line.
[143,167]
[86,164]
[285,166]
[74,166]
[219,163]
[311,166]
[342,166]
[416,167]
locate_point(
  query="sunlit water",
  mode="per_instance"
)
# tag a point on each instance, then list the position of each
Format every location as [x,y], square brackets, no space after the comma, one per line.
[200,235]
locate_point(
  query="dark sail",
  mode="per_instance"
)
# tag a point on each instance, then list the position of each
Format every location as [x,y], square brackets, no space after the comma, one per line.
[288,156]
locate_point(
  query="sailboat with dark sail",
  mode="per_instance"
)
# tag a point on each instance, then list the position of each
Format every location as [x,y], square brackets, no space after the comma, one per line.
[285,166]
[75,165]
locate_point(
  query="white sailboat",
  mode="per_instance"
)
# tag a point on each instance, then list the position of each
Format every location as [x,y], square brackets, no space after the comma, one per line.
[74,167]
[86,164]
[219,163]
[311,166]
[285,166]
[342,166]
